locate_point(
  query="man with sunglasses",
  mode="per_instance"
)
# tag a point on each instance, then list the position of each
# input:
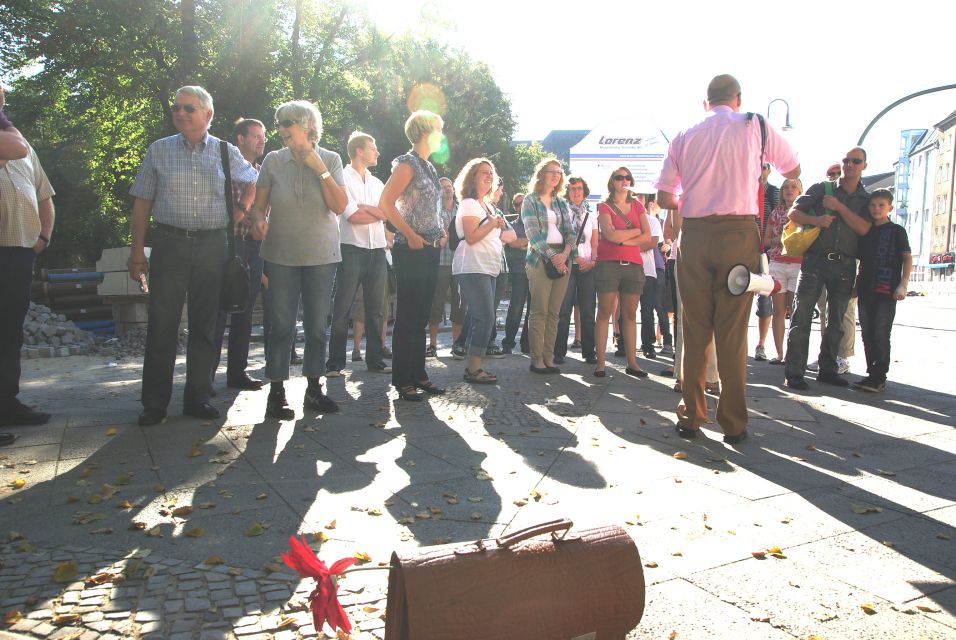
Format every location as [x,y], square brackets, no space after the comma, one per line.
[180,184]
[829,264]
[711,176]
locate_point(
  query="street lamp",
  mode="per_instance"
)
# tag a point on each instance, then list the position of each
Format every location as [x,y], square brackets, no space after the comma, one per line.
[786,126]
[899,102]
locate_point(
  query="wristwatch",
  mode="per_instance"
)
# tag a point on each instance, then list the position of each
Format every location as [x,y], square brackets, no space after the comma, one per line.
[325,175]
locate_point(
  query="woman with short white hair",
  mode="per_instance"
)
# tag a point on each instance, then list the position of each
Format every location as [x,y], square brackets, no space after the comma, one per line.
[303,188]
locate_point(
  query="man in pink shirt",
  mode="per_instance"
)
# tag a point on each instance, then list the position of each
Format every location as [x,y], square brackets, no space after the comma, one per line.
[710,176]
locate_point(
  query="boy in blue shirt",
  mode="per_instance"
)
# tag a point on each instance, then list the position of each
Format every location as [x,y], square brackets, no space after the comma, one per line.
[885,266]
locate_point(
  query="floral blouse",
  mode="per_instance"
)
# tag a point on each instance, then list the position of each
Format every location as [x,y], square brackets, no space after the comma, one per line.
[775,224]
[420,203]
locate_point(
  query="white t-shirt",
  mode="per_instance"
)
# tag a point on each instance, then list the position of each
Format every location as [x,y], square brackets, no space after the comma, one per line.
[650,268]
[584,249]
[554,231]
[485,255]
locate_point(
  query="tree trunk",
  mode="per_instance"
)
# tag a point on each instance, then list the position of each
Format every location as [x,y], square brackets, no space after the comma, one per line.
[326,46]
[296,69]
[189,55]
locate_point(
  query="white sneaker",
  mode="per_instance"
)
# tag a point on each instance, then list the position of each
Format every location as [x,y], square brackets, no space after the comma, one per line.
[760,353]
[813,366]
[843,365]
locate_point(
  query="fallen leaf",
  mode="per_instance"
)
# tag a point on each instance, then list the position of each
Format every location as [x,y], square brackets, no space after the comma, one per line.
[476,516]
[14,536]
[650,565]
[927,609]
[95,499]
[213,561]
[262,496]
[475,499]
[112,431]
[105,530]
[888,543]
[680,455]
[206,505]
[330,526]
[864,509]
[124,478]
[787,520]
[255,529]
[362,557]
[375,512]
[678,480]
[124,504]
[272,567]
[888,474]
[440,541]
[155,532]
[104,578]
[944,536]
[159,488]
[182,512]
[26,547]
[136,526]
[195,532]
[520,502]
[72,499]
[868,608]
[536,496]
[483,475]
[19,483]
[285,622]
[14,616]
[760,617]
[320,536]
[677,554]
[86,517]
[66,618]
[672,636]
[196,450]
[759,555]
[65,571]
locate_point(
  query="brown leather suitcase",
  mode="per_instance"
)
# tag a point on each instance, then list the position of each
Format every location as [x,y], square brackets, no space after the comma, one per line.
[570,585]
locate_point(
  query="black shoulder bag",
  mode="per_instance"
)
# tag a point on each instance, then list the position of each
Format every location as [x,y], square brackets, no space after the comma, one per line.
[234,291]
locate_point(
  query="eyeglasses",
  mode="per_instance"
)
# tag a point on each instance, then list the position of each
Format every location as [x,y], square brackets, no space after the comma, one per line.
[188,108]
[553,171]
[833,174]
[619,177]
[285,124]
[853,160]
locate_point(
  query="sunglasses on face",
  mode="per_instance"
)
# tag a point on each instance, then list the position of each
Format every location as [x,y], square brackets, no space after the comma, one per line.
[833,175]
[853,160]
[285,124]
[188,108]
[621,177]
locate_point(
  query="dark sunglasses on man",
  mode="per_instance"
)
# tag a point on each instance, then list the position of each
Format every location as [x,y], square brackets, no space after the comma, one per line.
[853,160]
[285,124]
[188,108]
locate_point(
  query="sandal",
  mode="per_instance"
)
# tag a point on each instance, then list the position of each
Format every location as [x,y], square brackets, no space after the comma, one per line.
[430,388]
[677,387]
[409,393]
[637,373]
[713,388]
[480,377]
[776,361]
[599,373]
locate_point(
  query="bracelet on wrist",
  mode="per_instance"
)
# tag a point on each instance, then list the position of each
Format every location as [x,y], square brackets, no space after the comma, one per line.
[45,239]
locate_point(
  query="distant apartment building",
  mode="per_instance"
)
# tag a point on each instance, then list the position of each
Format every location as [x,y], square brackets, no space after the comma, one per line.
[918,204]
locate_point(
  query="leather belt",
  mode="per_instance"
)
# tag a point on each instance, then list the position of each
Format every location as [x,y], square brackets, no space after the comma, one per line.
[834,256]
[627,262]
[186,233]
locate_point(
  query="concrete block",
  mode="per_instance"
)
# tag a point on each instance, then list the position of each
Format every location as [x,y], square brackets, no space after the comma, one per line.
[115,259]
[126,312]
[117,283]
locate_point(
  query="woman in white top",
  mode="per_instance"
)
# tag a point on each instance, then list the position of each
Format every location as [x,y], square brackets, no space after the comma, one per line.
[477,259]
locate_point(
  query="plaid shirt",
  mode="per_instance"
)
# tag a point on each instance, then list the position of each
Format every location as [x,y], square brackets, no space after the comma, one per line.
[187,185]
[534,215]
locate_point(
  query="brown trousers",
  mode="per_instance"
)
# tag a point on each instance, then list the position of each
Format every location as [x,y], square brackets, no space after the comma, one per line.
[709,248]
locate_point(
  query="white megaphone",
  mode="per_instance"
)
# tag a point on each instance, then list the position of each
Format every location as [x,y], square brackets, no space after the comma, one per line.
[740,280]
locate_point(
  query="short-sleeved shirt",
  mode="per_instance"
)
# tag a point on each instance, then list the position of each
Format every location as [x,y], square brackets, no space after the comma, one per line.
[23,185]
[715,165]
[485,255]
[515,257]
[608,250]
[446,216]
[838,237]
[650,262]
[186,183]
[303,231]
[367,190]
[777,220]
[420,203]
[881,260]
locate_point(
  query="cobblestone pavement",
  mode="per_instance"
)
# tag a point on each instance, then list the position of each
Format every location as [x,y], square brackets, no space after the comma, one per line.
[115,531]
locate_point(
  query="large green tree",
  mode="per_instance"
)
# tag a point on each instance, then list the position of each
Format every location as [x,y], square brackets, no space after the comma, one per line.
[93,83]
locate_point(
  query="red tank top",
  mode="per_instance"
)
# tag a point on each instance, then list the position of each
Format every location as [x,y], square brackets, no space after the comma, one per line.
[608,250]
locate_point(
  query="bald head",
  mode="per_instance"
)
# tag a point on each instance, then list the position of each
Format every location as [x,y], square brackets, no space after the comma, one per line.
[723,89]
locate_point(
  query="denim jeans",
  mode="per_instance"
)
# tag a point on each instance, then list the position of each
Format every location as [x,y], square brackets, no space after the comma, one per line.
[876,321]
[16,265]
[478,290]
[365,267]
[286,284]
[415,273]
[580,292]
[816,274]
[516,306]
[652,301]
[240,324]
[180,269]
[464,336]
[662,318]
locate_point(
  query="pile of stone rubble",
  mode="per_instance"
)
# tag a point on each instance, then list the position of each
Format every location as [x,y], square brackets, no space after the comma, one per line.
[47,334]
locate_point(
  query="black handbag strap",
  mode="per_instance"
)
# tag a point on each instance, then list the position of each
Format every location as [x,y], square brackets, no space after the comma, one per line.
[230,227]
[584,222]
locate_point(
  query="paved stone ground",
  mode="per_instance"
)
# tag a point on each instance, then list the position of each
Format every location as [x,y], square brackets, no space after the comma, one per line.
[173,531]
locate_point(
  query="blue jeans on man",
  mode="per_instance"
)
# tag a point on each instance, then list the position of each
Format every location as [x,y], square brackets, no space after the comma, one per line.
[652,301]
[836,274]
[365,267]
[240,323]
[516,310]
[182,268]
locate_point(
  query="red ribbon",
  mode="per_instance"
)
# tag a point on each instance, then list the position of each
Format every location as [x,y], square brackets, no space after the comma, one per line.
[323,600]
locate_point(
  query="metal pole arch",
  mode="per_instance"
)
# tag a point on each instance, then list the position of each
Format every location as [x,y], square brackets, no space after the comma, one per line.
[899,102]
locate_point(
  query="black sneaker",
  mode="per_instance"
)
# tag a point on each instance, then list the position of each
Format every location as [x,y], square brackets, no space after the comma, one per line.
[494,352]
[431,352]
[295,358]
[386,352]
[318,401]
[558,359]
[507,351]
[650,353]
[19,414]
[870,385]
[832,379]
[356,356]
[575,346]
[458,353]
[799,384]
[149,417]
[277,407]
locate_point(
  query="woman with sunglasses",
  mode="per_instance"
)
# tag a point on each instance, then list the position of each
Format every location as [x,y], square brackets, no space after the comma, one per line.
[547,223]
[477,261]
[302,187]
[412,202]
[620,270]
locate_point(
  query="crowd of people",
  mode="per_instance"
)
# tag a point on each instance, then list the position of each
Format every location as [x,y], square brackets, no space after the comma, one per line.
[325,238]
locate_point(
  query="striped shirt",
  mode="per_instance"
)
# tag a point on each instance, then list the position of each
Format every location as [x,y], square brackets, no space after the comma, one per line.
[23,185]
[186,184]
[534,215]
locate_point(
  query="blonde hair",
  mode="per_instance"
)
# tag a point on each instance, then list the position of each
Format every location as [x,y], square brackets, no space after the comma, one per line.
[421,123]
[305,113]
[465,182]
[536,184]
[357,141]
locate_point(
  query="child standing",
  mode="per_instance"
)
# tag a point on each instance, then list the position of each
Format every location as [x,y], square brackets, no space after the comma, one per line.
[885,265]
